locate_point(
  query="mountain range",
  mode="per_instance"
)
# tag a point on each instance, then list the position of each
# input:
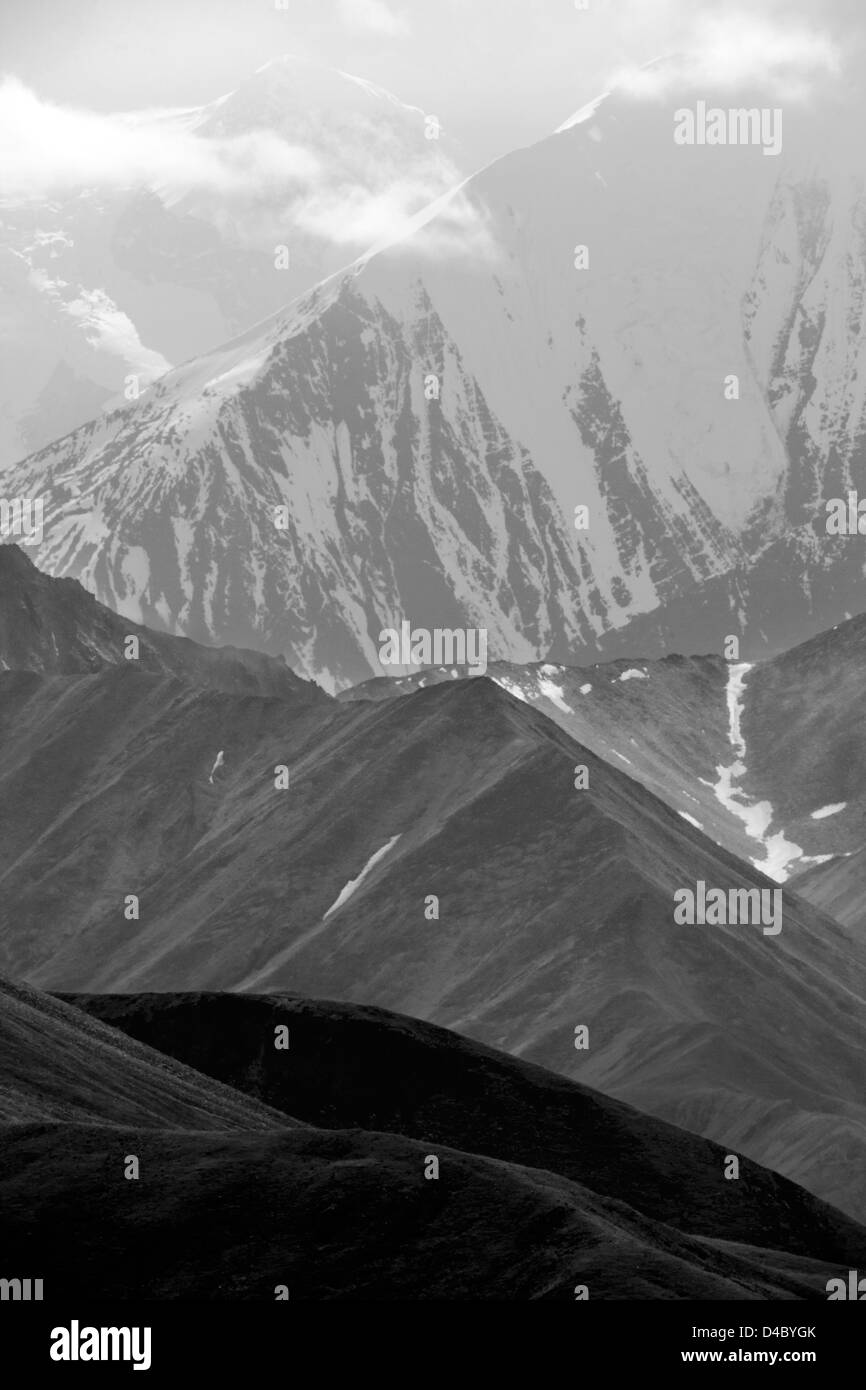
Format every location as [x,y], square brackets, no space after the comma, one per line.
[605,320]
[430,854]
[326,978]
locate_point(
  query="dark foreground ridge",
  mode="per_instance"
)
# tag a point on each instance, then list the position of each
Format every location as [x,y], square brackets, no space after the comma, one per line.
[388,1194]
[555,1180]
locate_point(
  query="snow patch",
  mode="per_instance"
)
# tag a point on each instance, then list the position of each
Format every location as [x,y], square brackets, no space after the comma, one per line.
[510,687]
[826,811]
[554,693]
[585,113]
[237,374]
[691,820]
[633,674]
[355,883]
[585,689]
[757,817]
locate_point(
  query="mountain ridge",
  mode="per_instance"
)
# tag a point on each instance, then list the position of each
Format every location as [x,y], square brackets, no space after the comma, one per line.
[55,626]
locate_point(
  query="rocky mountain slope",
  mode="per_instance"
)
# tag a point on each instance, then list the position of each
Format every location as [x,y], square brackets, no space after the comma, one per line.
[804,720]
[769,759]
[55,627]
[838,887]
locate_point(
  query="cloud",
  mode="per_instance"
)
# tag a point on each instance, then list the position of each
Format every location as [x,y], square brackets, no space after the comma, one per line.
[109,330]
[46,148]
[781,50]
[364,184]
[439,225]
[374,16]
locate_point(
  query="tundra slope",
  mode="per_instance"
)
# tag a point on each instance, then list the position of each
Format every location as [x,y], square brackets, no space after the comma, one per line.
[346,1213]
[356,1067]
[59,1066]
[557,388]
[349,1216]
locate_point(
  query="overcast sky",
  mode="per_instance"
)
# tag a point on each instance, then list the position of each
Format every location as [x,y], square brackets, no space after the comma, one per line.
[498,73]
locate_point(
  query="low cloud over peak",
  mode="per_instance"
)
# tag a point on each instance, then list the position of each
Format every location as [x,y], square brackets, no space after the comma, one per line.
[782,49]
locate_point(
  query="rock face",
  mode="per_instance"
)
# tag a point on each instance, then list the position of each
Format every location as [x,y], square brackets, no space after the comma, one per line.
[431,419]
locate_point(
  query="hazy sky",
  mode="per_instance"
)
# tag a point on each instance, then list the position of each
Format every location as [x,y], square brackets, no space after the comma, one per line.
[498,73]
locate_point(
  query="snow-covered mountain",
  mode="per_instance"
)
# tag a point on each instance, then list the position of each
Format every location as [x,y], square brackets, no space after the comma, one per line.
[431,419]
[104,282]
